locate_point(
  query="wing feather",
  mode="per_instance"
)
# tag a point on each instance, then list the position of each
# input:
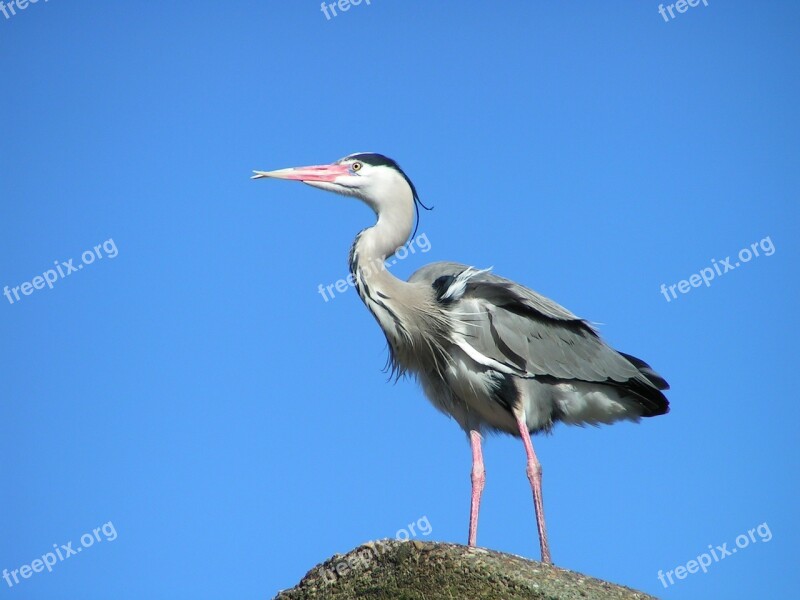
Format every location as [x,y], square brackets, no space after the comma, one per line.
[532,336]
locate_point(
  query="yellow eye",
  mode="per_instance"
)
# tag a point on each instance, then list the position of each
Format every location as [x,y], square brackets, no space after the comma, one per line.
[356,166]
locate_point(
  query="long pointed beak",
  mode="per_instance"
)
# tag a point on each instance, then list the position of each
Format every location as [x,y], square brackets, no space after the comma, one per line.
[312,173]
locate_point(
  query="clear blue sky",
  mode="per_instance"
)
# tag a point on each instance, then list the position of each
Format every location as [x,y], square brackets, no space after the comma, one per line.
[192,387]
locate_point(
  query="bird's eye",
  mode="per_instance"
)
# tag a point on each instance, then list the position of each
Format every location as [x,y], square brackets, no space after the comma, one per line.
[356,166]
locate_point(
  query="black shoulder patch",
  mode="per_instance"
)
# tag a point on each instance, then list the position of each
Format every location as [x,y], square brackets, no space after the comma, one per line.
[441,285]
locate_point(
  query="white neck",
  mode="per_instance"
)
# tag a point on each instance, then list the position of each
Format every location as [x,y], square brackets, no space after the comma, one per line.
[378,288]
[414,325]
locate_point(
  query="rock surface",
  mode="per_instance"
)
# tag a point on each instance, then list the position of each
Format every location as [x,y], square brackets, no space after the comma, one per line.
[393,570]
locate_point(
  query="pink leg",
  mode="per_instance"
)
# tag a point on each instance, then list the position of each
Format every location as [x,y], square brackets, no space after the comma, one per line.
[478,481]
[534,471]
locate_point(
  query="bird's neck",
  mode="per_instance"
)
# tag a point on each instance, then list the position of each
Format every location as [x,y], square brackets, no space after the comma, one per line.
[376,286]
[404,310]
[370,250]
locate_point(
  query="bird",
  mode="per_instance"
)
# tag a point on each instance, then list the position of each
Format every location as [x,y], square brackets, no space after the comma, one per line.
[490,353]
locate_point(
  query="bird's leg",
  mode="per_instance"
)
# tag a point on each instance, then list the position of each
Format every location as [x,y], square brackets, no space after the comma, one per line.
[478,481]
[534,471]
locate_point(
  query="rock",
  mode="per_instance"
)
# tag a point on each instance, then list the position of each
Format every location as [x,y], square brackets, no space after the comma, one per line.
[394,570]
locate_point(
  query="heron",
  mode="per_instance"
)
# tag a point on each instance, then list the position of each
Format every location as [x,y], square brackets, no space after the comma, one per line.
[492,354]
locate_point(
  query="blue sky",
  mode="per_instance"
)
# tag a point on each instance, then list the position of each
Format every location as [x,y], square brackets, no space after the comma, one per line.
[194,392]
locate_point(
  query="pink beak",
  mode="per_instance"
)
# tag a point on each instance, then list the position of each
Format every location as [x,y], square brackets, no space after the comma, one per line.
[312,173]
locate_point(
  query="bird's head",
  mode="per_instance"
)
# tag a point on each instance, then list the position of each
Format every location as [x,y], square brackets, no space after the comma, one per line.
[374,178]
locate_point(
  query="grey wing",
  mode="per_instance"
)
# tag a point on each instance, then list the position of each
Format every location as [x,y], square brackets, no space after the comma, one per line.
[510,327]
[444,272]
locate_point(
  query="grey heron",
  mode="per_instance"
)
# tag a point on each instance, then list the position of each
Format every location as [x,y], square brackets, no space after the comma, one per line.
[492,354]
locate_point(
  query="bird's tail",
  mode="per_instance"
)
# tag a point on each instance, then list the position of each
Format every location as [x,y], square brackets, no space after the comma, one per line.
[647,389]
[657,380]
